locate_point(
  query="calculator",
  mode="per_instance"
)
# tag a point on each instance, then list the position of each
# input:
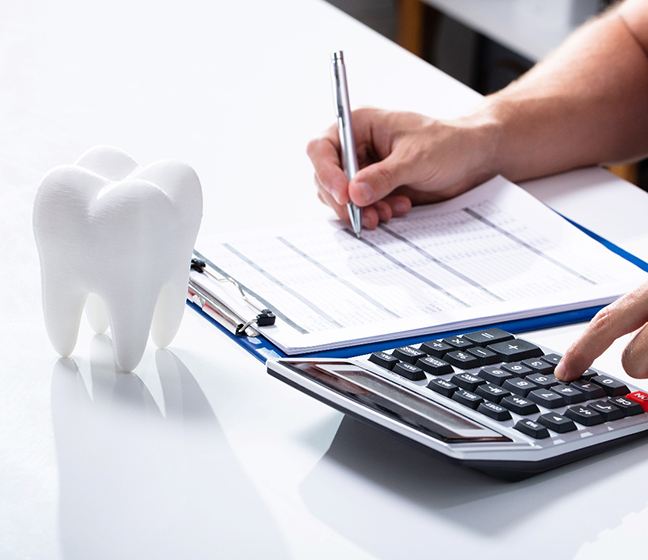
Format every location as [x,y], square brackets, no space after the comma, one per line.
[485,399]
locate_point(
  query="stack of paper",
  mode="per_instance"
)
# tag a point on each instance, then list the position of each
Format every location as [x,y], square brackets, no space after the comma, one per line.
[489,255]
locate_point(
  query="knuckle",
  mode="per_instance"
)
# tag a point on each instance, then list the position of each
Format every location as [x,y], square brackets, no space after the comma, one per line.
[602,321]
[363,112]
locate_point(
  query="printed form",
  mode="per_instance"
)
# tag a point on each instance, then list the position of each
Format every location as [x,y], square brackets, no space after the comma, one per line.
[492,254]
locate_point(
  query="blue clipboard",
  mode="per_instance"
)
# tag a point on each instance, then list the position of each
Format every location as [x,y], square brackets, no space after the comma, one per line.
[262,349]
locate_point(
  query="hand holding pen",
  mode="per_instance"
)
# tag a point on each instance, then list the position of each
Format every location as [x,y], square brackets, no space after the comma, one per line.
[404,159]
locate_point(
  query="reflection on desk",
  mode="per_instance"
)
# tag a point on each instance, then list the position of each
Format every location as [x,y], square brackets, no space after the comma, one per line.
[128,492]
[399,501]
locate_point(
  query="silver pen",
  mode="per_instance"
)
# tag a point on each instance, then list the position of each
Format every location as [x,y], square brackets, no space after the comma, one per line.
[343,114]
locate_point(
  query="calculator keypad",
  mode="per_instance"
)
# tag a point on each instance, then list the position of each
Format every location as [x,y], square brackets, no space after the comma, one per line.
[498,375]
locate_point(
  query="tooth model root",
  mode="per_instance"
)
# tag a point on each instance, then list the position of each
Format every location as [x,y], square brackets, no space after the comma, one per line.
[97,314]
[116,239]
[130,322]
[62,306]
[168,311]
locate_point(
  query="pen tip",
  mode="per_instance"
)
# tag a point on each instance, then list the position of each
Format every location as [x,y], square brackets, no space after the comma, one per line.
[357,234]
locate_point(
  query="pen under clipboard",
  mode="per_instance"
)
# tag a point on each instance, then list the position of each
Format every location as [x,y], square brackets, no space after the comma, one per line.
[201,293]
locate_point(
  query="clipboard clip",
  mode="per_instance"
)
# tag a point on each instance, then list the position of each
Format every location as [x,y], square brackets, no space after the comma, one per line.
[221,311]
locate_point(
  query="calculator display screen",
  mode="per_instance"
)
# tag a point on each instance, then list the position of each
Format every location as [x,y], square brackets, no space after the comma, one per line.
[390,399]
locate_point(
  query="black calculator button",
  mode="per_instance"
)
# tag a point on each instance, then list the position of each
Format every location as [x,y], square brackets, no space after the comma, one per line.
[519,386]
[436,348]
[589,373]
[607,410]
[442,387]
[517,369]
[531,428]
[493,410]
[409,371]
[569,393]
[467,398]
[462,359]
[552,358]
[589,389]
[613,387]
[539,366]
[435,366]
[488,336]
[492,392]
[585,416]
[484,355]
[629,407]
[383,359]
[517,349]
[494,374]
[408,354]
[547,398]
[459,342]
[467,381]
[542,380]
[557,422]
[519,405]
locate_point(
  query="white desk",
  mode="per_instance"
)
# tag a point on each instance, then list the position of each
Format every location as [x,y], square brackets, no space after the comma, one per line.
[202,455]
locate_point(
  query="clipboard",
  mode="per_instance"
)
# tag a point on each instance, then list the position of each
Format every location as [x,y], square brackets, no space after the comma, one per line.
[246,330]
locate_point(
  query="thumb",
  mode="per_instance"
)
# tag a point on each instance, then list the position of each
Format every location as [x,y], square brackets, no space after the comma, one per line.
[376,181]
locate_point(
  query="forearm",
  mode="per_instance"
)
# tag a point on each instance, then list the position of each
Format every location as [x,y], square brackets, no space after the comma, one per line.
[587,103]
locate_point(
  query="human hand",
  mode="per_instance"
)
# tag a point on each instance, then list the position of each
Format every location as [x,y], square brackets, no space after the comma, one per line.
[625,315]
[404,159]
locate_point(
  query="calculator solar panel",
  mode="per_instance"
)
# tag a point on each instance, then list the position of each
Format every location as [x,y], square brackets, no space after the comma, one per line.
[485,399]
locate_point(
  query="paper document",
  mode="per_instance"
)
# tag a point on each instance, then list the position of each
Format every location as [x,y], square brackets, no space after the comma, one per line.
[494,253]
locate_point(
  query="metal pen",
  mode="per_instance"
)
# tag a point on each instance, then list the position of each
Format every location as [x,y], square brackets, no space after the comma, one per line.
[345,130]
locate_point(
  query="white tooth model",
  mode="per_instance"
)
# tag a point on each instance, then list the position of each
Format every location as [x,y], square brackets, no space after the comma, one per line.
[118,238]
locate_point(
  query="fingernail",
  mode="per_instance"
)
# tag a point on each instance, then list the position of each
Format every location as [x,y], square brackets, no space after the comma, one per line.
[335,194]
[559,372]
[363,193]
[401,207]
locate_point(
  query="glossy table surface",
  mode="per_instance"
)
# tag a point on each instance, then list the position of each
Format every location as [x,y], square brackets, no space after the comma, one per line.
[200,454]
